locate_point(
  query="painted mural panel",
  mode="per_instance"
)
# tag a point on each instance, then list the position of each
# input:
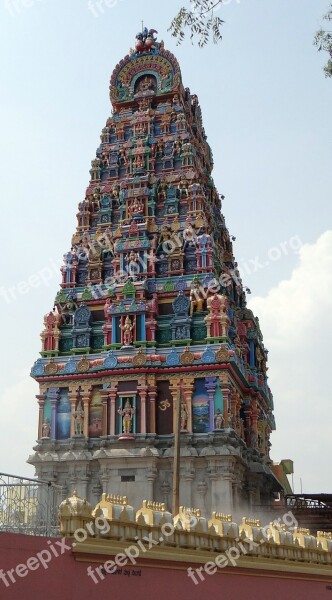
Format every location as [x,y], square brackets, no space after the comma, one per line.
[63,415]
[96,415]
[200,406]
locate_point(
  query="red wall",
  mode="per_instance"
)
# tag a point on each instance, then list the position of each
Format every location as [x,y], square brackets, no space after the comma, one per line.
[67,579]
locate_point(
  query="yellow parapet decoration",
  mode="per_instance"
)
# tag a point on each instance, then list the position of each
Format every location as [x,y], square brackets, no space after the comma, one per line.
[74,513]
[190,533]
[153,513]
[224,525]
[324,538]
[115,508]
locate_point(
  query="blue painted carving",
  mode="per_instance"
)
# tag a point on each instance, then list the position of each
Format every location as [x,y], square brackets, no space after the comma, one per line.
[181,284]
[81,331]
[151,285]
[181,305]
[70,367]
[180,323]
[38,368]
[209,277]
[110,361]
[172,359]
[208,357]
[105,213]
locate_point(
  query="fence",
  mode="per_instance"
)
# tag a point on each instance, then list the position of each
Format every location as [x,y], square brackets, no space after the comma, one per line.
[29,506]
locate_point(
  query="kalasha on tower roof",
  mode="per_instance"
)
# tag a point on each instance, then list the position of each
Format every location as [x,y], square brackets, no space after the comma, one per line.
[151,301]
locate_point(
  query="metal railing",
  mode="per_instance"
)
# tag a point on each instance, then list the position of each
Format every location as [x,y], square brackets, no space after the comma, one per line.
[29,506]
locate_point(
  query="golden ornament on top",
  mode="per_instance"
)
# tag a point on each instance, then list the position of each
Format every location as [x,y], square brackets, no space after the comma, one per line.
[222,355]
[51,368]
[187,357]
[139,359]
[83,365]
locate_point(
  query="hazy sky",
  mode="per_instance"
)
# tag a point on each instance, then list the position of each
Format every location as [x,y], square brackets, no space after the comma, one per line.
[266,110]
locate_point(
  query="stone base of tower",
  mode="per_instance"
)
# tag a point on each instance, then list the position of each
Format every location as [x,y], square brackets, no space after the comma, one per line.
[218,472]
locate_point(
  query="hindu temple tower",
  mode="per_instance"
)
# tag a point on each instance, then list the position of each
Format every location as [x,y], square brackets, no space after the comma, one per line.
[151,312]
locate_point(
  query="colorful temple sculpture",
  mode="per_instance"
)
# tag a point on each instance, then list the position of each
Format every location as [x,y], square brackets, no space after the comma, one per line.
[151,312]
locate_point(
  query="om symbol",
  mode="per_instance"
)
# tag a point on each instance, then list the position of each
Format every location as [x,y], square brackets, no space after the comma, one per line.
[164,405]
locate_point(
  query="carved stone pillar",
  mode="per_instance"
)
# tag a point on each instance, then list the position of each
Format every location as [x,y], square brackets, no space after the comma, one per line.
[41,401]
[247,413]
[187,477]
[73,395]
[151,474]
[251,494]
[188,387]
[152,400]
[142,390]
[112,394]
[174,388]
[237,488]
[221,477]
[254,419]
[86,398]
[104,398]
[226,396]
[235,406]
[211,384]
[54,398]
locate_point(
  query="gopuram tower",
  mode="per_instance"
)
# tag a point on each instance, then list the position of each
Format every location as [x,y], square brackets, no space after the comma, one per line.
[152,312]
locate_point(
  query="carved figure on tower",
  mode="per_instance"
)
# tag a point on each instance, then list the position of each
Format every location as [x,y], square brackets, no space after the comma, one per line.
[217,321]
[51,334]
[69,268]
[184,415]
[218,419]
[196,298]
[79,418]
[145,40]
[133,264]
[127,331]
[46,428]
[127,414]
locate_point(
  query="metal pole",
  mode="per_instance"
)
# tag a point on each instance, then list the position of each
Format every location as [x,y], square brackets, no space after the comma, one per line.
[176,459]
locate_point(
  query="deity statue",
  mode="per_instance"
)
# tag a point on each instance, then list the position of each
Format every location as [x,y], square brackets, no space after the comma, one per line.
[46,428]
[127,414]
[189,235]
[260,359]
[133,264]
[230,421]
[218,419]
[196,299]
[79,418]
[184,416]
[136,207]
[106,309]
[94,253]
[127,328]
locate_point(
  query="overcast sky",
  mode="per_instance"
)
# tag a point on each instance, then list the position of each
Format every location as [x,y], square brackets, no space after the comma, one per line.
[267,113]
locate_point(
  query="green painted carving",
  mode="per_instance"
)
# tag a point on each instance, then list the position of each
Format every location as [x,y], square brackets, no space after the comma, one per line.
[164,336]
[199,333]
[60,297]
[66,344]
[87,295]
[169,286]
[129,289]
[97,342]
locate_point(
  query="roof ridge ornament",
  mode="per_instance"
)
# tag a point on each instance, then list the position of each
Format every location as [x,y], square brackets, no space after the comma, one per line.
[146,40]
